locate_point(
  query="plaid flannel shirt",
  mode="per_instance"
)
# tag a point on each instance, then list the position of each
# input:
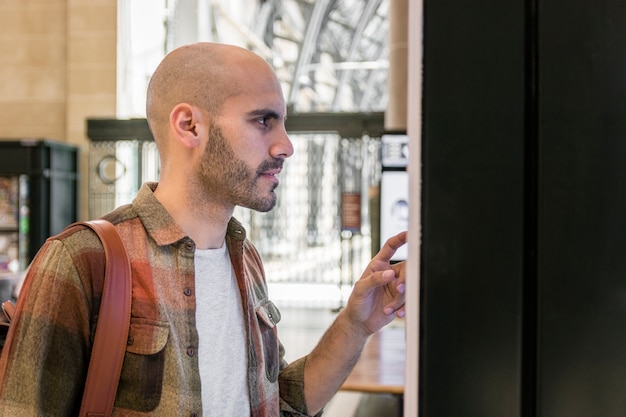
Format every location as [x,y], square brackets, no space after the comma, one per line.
[47,361]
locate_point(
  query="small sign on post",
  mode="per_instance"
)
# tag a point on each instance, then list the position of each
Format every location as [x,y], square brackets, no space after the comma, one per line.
[351,212]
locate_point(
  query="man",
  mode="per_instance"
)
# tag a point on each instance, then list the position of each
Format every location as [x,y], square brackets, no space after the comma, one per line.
[203,337]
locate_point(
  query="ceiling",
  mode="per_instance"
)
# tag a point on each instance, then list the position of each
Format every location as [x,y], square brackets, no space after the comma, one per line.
[330,55]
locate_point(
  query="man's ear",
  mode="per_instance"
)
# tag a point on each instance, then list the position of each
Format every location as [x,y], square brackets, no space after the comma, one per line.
[188,123]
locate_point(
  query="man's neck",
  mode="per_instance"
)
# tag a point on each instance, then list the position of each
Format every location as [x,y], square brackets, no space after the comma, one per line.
[205,222]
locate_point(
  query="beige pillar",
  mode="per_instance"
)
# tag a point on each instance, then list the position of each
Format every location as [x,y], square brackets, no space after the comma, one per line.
[396,113]
[58,68]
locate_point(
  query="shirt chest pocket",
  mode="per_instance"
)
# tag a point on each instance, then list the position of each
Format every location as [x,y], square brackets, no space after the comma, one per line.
[268,316]
[141,381]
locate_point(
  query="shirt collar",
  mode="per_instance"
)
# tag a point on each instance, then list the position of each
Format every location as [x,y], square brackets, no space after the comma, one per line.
[161,226]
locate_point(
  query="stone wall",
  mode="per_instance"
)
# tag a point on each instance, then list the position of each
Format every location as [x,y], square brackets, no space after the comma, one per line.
[57,67]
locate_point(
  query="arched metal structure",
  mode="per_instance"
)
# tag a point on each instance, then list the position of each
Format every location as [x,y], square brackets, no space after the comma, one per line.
[330,55]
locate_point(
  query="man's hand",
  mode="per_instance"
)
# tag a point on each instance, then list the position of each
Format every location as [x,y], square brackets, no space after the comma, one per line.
[378,295]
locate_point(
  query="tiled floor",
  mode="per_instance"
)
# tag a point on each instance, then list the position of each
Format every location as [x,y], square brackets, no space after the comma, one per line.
[299,330]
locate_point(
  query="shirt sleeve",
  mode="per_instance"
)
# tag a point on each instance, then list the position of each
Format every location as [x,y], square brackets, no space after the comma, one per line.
[46,355]
[291,387]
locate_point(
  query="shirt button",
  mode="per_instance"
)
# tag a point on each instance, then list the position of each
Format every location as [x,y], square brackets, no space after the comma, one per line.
[130,340]
[187,291]
[191,351]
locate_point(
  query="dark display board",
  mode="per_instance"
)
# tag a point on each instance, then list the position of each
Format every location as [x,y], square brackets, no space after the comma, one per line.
[523,269]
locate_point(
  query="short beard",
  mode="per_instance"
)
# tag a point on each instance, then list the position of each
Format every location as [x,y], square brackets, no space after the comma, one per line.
[222,176]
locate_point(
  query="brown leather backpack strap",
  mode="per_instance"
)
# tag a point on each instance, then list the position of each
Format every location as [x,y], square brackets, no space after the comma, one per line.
[107,355]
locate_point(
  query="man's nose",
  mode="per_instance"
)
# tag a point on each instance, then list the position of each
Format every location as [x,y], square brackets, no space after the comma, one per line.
[282,146]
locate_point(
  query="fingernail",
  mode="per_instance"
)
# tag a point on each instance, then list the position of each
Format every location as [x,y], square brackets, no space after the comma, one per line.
[401,288]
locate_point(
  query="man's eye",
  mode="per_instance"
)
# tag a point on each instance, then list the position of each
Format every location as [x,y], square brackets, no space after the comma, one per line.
[263,120]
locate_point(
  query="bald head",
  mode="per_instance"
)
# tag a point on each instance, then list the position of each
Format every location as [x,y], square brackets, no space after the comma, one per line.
[201,74]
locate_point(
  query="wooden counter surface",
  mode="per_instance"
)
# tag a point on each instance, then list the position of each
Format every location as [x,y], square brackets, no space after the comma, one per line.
[380,368]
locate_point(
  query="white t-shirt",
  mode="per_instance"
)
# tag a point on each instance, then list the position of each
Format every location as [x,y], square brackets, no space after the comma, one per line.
[223,358]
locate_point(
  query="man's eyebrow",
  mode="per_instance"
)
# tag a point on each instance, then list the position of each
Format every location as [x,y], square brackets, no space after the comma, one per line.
[266,113]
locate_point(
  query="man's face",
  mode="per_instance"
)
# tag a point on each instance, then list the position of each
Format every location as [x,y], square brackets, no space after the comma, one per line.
[232,180]
[247,142]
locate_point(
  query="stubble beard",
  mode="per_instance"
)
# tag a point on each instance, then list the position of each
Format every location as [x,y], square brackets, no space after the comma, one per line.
[223,176]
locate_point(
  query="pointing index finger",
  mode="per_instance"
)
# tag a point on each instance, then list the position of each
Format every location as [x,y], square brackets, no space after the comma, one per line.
[391,246]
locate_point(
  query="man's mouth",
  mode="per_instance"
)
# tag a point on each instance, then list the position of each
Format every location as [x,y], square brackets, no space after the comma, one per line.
[272,172]
[271,169]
